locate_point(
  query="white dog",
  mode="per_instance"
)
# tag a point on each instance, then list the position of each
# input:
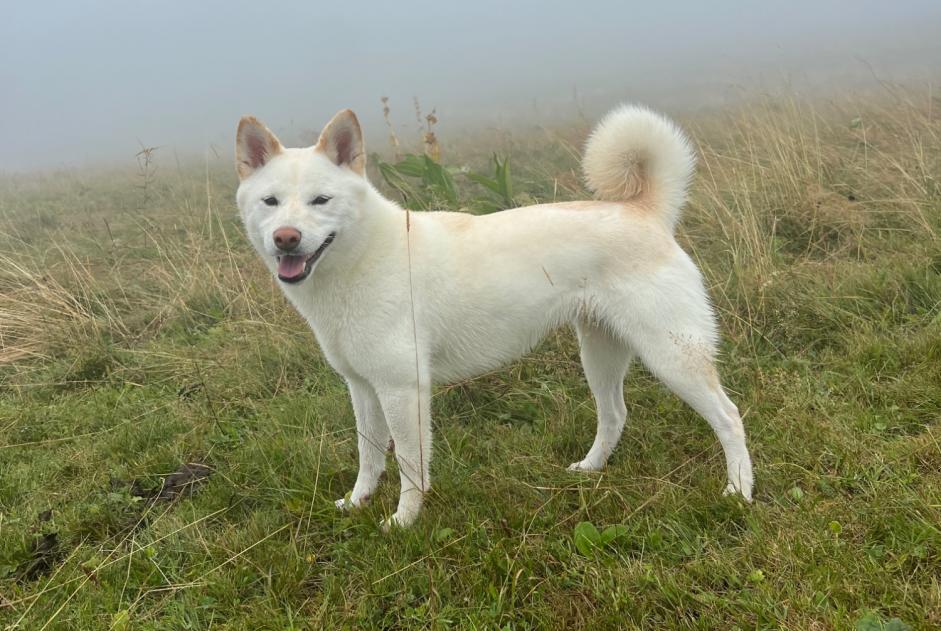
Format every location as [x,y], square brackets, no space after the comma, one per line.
[400,301]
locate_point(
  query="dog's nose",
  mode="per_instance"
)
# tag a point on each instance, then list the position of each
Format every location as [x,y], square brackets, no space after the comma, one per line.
[286,238]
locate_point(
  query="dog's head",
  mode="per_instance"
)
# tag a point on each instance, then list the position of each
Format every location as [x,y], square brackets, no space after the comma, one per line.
[297,202]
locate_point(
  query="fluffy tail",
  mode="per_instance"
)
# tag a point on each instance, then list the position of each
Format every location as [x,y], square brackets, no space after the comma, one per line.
[637,155]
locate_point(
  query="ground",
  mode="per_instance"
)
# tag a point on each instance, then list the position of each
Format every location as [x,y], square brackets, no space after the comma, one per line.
[171,441]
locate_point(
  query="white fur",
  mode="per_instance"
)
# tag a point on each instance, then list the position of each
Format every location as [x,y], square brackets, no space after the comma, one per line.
[402,300]
[636,155]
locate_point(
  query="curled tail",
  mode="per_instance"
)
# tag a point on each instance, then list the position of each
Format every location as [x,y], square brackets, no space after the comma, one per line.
[637,155]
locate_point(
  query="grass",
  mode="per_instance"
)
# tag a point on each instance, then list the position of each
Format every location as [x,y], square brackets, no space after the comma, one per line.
[138,333]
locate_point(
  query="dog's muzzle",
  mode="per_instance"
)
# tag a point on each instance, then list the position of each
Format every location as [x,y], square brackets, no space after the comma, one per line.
[293,268]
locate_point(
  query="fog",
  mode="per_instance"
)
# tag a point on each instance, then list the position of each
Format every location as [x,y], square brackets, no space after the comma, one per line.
[89,83]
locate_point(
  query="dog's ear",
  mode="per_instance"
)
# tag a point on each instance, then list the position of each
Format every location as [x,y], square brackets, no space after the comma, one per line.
[342,141]
[254,146]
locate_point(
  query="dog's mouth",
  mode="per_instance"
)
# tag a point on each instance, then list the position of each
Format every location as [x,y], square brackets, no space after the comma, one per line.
[293,268]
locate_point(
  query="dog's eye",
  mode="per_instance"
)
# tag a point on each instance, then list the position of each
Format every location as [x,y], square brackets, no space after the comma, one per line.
[320,199]
[271,200]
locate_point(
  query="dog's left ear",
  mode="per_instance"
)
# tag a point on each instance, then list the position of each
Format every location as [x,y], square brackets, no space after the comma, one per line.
[342,141]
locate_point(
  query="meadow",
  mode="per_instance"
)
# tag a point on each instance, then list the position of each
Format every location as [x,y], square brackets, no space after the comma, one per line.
[171,440]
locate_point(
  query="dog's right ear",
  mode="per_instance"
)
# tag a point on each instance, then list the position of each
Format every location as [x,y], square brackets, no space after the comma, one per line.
[254,146]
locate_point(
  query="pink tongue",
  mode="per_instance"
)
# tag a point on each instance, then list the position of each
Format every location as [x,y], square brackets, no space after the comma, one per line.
[291,266]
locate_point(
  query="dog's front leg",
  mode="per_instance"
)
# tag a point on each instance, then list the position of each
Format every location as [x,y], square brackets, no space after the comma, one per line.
[408,415]
[372,438]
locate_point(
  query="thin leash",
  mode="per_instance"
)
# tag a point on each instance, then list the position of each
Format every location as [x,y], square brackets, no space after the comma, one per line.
[411,297]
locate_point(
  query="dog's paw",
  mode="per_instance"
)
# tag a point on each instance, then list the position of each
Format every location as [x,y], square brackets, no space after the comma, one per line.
[387,524]
[585,465]
[745,494]
[349,502]
[397,520]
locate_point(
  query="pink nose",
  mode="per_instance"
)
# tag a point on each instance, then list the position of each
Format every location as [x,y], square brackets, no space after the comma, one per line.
[286,238]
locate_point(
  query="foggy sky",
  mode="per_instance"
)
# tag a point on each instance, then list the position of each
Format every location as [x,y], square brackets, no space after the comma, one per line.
[85,83]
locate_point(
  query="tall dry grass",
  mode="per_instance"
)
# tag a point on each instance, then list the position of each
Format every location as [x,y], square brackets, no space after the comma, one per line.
[831,169]
[811,180]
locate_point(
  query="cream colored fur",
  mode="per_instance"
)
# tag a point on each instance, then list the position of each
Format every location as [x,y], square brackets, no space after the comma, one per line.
[399,301]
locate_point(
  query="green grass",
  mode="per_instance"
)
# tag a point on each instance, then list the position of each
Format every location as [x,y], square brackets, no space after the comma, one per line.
[138,333]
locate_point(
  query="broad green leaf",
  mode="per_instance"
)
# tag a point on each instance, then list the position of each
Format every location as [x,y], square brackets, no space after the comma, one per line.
[411,165]
[611,533]
[486,182]
[121,620]
[444,534]
[869,622]
[587,538]
[440,180]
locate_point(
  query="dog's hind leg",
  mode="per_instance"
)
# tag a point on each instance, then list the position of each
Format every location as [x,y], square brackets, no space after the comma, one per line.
[667,320]
[605,359]
[685,365]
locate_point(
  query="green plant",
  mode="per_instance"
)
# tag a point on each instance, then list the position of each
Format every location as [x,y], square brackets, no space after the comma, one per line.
[501,184]
[590,541]
[873,622]
[423,183]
